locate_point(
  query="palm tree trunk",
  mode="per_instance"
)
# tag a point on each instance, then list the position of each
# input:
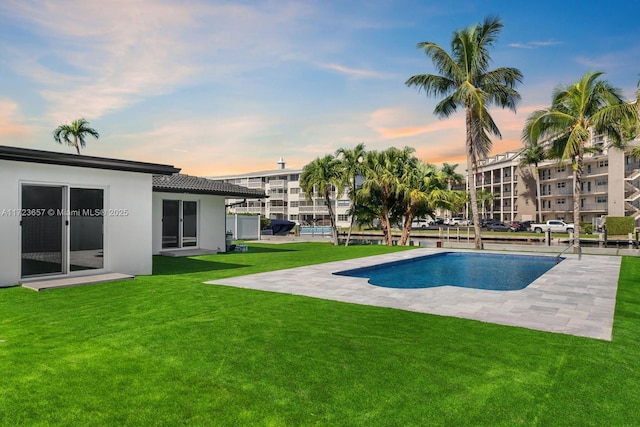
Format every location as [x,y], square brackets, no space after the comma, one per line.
[406,229]
[353,212]
[334,228]
[577,180]
[75,143]
[538,202]
[471,177]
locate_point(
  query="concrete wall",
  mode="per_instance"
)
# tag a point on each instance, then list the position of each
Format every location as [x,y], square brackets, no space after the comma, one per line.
[615,199]
[127,204]
[211,220]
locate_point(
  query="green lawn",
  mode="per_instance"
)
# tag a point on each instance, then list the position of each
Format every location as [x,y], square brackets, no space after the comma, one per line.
[169,350]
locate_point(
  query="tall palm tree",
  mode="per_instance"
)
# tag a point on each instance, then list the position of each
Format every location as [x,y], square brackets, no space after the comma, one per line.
[423,189]
[352,167]
[466,82]
[75,133]
[589,106]
[532,155]
[321,177]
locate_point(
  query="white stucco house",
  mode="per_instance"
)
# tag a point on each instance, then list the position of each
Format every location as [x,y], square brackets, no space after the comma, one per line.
[68,215]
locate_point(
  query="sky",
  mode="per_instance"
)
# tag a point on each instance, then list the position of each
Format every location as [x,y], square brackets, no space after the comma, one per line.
[228,87]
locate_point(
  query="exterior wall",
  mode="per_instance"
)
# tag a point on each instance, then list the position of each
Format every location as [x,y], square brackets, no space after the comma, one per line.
[211,220]
[127,236]
[615,205]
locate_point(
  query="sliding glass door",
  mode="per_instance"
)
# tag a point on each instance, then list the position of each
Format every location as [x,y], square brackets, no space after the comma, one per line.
[42,230]
[62,229]
[86,224]
[179,224]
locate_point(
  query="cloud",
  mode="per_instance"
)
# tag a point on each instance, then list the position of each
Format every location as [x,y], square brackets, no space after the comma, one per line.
[11,121]
[534,44]
[354,72]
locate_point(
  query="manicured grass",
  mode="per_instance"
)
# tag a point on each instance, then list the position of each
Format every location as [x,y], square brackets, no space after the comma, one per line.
[168,350]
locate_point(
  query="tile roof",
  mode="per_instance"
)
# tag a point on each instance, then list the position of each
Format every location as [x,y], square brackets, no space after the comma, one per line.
[180,183]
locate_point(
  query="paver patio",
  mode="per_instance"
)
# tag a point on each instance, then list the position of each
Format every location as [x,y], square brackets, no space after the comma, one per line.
[575,297]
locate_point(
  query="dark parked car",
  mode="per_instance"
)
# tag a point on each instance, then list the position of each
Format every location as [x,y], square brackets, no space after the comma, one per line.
[498,226]
[486,221]
[520,225]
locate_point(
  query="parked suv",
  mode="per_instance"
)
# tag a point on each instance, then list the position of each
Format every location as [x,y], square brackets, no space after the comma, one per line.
[458,221]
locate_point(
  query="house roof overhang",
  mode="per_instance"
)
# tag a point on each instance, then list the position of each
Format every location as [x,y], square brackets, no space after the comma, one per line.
[18,154]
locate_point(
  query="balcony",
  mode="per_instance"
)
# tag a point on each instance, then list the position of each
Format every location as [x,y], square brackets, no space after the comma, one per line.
[277,183]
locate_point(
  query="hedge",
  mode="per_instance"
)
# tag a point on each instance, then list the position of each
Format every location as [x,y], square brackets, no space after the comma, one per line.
[617,225]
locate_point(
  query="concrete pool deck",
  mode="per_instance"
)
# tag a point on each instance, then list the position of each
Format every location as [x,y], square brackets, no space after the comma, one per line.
[575,297]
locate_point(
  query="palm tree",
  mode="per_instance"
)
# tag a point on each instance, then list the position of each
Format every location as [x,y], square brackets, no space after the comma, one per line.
[423,189]
[634,129]
[466,82]
[450,175]
[78,129]
[380,189]
[323,176]
[589,106]
[351,165]
[485,197]
[533,154]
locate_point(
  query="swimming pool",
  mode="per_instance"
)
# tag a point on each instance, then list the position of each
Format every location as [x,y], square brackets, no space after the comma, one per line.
[500,272]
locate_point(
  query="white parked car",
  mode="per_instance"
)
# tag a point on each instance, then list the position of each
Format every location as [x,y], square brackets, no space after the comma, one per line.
[458,221]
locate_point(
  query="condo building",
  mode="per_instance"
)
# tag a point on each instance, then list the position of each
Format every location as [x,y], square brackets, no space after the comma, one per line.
[286,200]
[610,186]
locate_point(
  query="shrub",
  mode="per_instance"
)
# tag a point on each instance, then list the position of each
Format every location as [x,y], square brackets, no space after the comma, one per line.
[586,227]
[620,225]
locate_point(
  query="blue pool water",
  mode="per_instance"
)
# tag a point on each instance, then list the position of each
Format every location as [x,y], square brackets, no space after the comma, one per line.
[498,272]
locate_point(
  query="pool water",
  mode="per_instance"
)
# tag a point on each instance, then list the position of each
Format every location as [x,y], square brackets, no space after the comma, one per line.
[500,272]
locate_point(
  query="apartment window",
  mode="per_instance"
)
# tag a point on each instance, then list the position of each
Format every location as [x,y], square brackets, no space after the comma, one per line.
[294,204]
[603,163]
[293,217]
[601,199]
[295,177]
[507,173]
[343,218]
[545,174]
[601,181]
[343,203]
[561,185]
[589,168]
[561,169]
[294,190]
[561,201]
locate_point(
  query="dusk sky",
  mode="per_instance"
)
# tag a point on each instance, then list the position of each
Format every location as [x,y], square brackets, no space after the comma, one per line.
[217,87]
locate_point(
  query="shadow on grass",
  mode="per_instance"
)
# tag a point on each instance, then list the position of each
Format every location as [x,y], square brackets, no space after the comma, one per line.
[166,266]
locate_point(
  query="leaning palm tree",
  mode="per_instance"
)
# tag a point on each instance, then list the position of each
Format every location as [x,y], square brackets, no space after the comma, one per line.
[578,111]
[532,155]
[321,177]
[352,167]
[466,82]
[75,133]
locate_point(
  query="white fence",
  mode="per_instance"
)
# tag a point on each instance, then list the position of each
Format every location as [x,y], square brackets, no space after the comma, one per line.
[244,227]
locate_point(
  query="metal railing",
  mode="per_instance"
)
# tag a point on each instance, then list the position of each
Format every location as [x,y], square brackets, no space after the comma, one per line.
[566,249]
